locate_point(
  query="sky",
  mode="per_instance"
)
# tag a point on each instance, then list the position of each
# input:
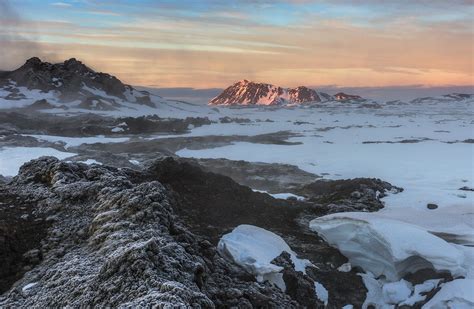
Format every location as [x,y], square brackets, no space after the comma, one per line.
[214,43]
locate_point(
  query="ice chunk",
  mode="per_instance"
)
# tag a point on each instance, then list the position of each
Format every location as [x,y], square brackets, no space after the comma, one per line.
[345,268]
[396,292]
[254,248]
[387,247]
[455,294]
[424,287]
[381,294]
[374,295]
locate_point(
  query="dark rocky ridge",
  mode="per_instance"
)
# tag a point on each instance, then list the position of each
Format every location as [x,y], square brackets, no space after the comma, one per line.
[341,96]
[148,237]
[92,124]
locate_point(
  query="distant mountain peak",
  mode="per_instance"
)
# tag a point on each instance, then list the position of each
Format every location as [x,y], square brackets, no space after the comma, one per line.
[245,92]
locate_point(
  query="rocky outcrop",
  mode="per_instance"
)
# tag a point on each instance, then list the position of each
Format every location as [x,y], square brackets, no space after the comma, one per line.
[358,194]
[341,96]
[113,240]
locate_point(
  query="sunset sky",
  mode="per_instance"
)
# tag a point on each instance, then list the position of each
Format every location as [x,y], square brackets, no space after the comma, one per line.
[212,43]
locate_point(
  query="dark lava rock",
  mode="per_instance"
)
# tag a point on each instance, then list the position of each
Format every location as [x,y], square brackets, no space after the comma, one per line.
[298,285]
[431,206]
[41,104]
[112,239]
[358,194]
[228,119]
[154,124]
[21,232]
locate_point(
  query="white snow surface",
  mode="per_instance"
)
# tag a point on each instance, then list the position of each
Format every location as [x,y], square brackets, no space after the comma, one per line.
[386,295]
[91,161]
[458,294]
[254,248]
[282,196]
[396,292]
[77,141]
[12,158]
[321,293]
[417,296]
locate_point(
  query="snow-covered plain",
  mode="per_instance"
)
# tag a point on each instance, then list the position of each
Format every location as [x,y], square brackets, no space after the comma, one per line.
[12,158]
[77,141]
[417,147]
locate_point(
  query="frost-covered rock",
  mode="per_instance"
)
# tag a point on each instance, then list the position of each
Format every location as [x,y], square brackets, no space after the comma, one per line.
[387,247]
[110,238]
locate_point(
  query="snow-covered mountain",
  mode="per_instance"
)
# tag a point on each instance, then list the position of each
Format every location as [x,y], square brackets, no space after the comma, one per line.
[65,85]
[246,92]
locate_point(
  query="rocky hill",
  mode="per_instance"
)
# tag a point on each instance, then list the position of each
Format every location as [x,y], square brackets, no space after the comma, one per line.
[246,92]
[43,85]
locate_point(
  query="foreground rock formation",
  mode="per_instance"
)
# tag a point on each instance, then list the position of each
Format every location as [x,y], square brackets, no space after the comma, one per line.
[113,241]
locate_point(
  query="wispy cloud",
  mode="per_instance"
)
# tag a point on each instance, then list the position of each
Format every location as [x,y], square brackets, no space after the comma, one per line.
[211,43]
[61,4]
